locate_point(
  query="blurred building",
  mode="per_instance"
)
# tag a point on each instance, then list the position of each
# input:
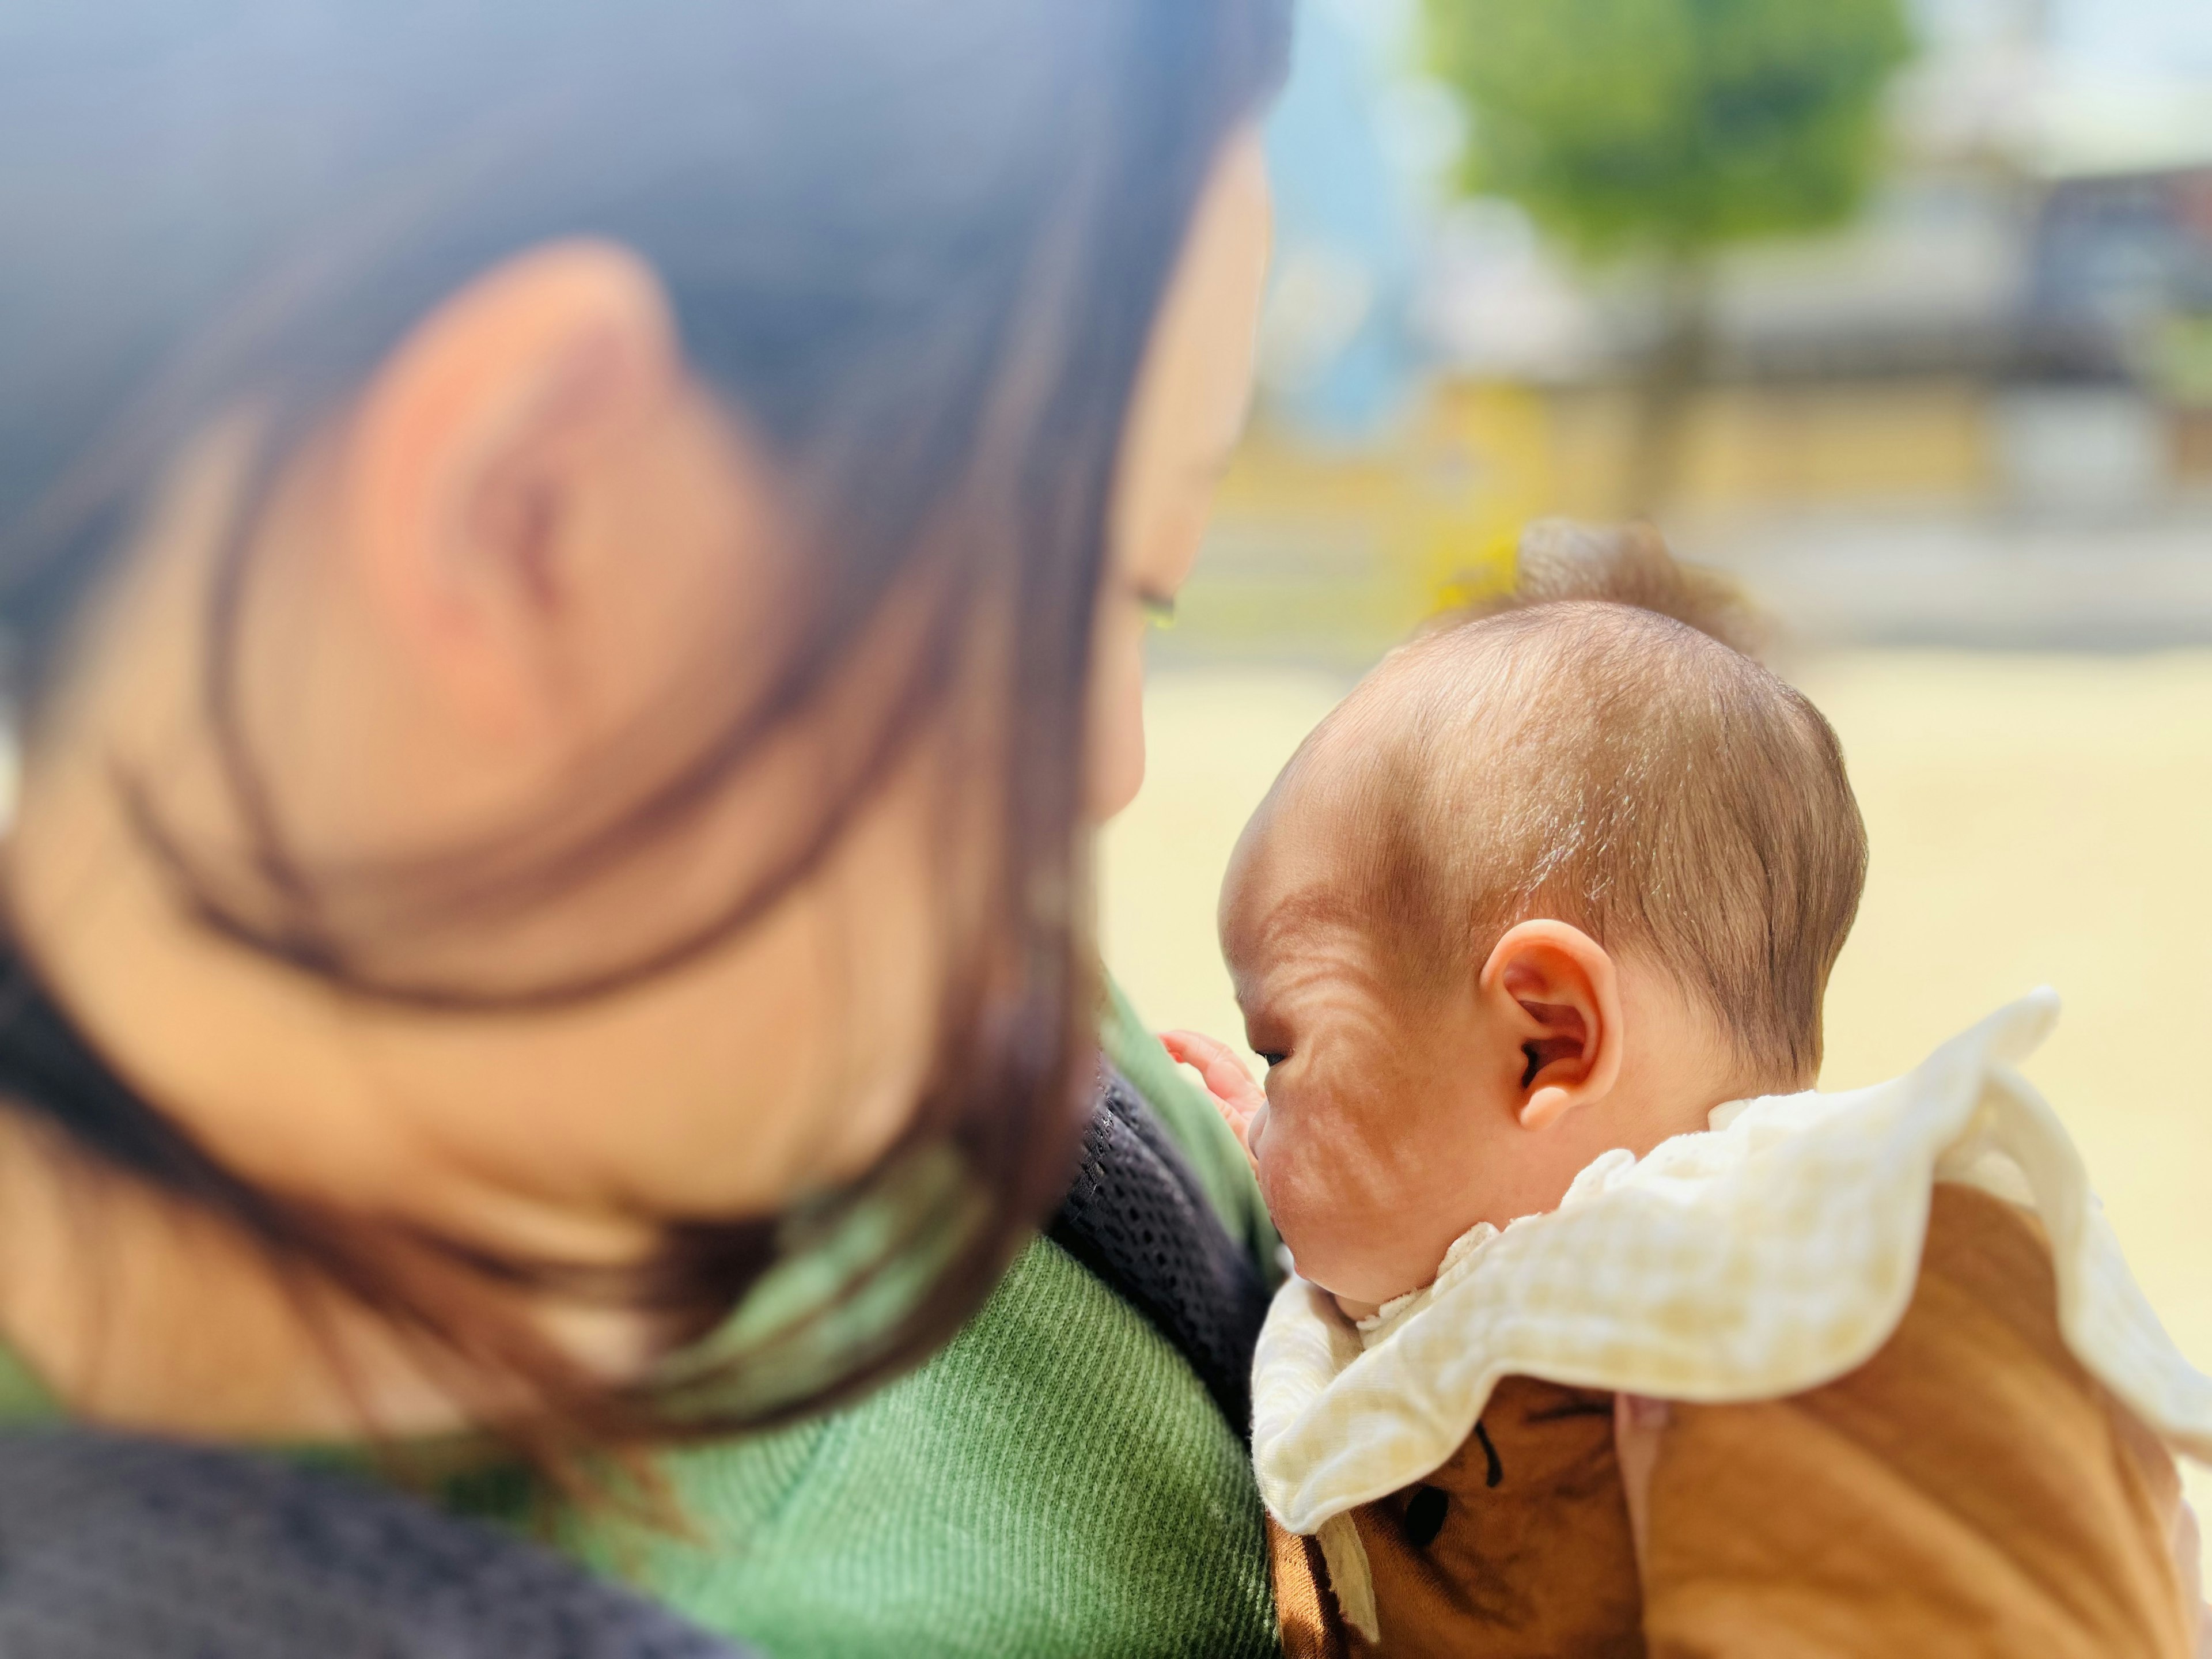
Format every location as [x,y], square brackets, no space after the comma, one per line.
[2012,347]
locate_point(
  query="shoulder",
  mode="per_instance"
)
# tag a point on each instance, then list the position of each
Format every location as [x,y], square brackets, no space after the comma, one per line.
[1971,1476]
[1055,1480]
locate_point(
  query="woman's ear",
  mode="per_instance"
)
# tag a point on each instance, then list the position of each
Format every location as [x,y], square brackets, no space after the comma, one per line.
[1554,991]
[468,455]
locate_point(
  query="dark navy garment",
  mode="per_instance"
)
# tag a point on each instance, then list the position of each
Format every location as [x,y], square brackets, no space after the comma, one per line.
[115,1547]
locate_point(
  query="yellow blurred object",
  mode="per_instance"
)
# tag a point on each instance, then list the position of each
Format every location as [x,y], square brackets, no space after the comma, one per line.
[1336,554]
[1332,555]
[1485,469]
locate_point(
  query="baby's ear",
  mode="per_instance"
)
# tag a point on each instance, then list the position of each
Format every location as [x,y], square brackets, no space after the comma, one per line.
[1552,992]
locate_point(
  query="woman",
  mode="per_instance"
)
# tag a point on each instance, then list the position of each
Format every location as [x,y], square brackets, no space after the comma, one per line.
[575,578]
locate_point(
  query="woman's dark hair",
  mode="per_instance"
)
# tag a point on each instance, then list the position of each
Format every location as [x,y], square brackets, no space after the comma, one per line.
[916,245]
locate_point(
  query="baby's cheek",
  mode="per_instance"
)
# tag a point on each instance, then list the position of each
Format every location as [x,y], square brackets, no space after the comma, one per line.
[1271,1165]
[1297,1194]
[1337,1236]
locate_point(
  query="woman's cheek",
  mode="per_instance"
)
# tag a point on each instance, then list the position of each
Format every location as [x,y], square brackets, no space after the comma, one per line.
[1117,718]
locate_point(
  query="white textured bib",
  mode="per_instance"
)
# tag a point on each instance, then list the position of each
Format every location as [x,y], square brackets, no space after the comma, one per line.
[1769,1255]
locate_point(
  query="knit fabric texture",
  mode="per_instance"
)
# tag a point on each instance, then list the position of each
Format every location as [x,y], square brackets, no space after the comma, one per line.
[111,1546]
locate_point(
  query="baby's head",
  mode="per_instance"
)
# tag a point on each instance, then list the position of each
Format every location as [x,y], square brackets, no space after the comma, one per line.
[1558,877]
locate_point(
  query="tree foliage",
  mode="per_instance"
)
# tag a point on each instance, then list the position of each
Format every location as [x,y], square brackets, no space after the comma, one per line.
[1671,126]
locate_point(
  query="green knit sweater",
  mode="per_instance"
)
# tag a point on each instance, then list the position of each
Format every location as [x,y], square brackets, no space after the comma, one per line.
[1056,1480]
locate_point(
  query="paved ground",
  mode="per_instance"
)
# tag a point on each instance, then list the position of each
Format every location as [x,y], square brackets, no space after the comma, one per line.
[2034,819]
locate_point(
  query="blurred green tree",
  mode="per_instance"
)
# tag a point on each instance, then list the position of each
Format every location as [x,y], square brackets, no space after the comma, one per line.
[1663,130]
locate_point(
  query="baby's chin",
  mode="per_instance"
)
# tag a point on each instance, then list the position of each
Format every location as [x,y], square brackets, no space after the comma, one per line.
[1324,1251]
[1362,1258]
[1355,1281]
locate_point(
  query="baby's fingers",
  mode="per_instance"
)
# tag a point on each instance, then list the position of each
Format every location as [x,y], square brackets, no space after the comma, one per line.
[1236,1095]
[1216,1063]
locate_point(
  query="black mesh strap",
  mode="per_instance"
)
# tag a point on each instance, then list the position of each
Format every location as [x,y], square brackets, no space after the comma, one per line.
[1138,1218]
[111,1546]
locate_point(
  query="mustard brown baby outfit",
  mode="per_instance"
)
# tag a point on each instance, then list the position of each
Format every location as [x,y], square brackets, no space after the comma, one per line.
[1919,1405]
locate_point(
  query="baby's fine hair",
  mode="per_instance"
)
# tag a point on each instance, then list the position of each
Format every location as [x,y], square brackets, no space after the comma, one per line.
[1602,747]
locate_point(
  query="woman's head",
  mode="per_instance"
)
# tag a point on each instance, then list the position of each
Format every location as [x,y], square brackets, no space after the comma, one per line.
[576,573]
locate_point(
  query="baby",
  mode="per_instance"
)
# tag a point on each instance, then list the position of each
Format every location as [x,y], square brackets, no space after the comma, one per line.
[1532,933]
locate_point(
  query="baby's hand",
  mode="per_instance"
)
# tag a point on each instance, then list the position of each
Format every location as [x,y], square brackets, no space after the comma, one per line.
[1235,1097]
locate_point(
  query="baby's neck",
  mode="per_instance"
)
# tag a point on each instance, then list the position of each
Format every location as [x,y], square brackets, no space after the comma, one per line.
[1687,1112]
